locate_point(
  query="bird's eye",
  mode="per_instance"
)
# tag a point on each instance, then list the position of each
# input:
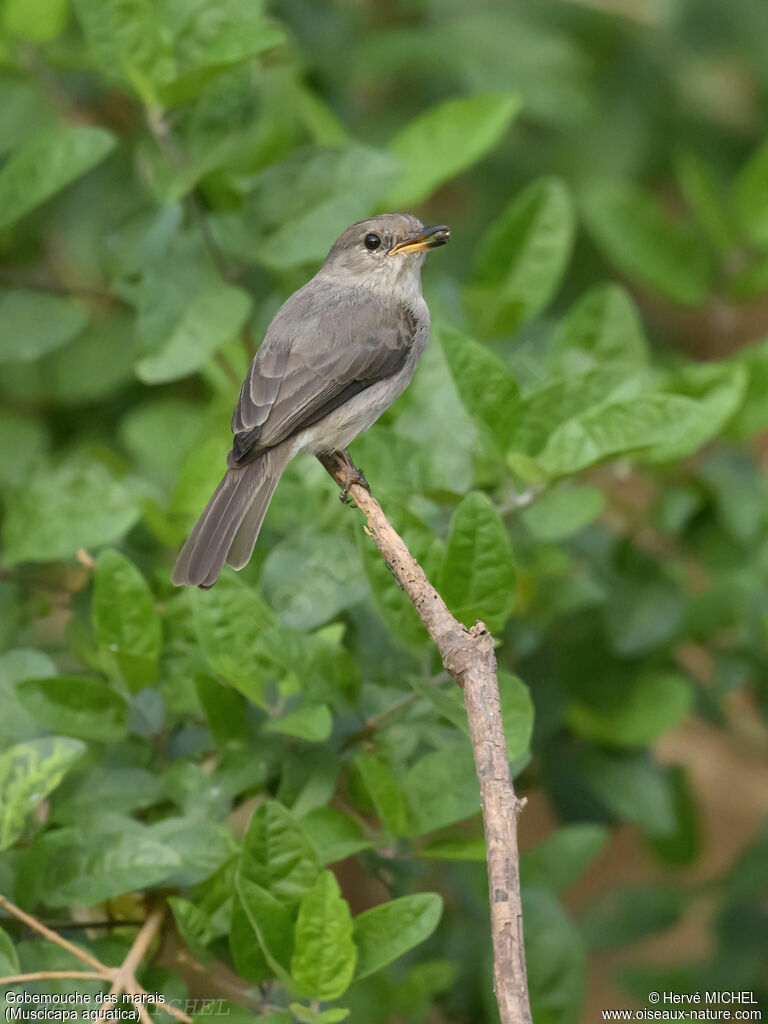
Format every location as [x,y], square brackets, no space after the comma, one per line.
[372,242]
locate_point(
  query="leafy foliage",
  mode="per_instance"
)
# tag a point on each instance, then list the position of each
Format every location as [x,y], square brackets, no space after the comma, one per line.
[578,462]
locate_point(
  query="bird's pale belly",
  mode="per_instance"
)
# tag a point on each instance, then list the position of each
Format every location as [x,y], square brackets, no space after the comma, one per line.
[343,425]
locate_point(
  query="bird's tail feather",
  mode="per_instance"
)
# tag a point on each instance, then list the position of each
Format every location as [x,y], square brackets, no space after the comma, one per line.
[228,528]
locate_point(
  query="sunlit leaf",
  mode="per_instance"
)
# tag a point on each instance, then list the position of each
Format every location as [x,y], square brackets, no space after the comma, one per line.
[46,164]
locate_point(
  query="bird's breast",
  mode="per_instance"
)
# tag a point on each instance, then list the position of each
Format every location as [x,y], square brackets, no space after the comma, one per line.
[340,427]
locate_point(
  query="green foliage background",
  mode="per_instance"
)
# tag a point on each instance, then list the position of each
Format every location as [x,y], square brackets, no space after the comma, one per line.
[578,463]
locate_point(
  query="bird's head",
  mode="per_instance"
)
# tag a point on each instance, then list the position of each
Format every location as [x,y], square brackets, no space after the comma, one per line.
[385,251]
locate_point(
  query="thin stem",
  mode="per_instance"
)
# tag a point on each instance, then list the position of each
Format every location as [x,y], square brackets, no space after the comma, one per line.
[15,979]
[374,723]
[54,288]
[36,926]
[161,132]
[124,978]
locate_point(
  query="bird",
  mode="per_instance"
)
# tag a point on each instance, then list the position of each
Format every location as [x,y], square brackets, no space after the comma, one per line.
[338,352]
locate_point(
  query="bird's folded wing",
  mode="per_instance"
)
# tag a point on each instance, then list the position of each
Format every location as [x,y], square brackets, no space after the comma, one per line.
[319,352]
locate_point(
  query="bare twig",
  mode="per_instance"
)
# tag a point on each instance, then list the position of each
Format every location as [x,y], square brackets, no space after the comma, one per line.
[122,979]
[374,723]
[469,659]
[163,136]
[16,979]
[59,940]
[56,288]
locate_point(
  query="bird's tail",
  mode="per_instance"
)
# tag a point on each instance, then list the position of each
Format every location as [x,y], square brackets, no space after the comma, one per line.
[228,528]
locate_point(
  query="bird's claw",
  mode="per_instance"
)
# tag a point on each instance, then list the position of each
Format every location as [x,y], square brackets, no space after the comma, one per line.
[353,476]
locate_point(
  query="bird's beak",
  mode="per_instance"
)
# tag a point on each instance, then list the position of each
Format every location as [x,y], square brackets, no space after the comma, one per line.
[429,238]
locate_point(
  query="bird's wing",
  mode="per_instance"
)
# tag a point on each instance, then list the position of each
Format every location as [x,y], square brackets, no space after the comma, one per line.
[320,351]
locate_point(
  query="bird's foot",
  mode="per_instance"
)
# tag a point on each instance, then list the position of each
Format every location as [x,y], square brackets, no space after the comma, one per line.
[352,475]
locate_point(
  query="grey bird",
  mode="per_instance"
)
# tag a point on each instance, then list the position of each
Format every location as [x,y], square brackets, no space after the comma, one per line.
[337,354]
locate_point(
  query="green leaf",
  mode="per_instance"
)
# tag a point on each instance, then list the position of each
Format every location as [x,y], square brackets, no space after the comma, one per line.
[127,40]
[125,621]
[194,927]
[384,933]
[9,958]
[167,51]
[228,620]
[562,510]
[47,163]
[95,365]
[117,856]
[603,326]
[320,664]
[703,194]
[716,390]
[681,844]
[22,440]
[311,722]
[38,21]
[522,257]
[631,787]
[260,933]
[385,791]
[334,835]
[76,706]
[751,417]
[201,846]
[208,40]
[441,788]
[556,959]
[121,788]
[324,953]
[565,397]
[627,915]
[62,508]
[237,1014]
[175,420]
[447,701]
[478,575]
[455,849]
[607,430]
[309,577]
[16,723]
[28,773]
[396,611]
[305,1015]
[24,111]
[445,140]
[636,711]
[294,207]
[750,197]
[516,714]
[563,857]
[644,613]
[276,854]
[485,385]
[635,234]
[748,877]
[212,318]
[33,323]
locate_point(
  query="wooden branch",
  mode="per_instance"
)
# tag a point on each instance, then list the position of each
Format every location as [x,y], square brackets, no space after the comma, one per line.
[16,979]
[59,940]
[469,658]
[122,979]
